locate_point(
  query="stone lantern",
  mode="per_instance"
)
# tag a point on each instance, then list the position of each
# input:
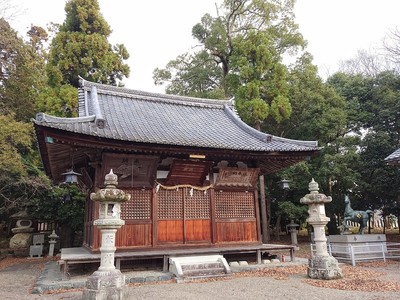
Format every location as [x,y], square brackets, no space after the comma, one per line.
[52,241]
[107,282]
[284,184]
[22,239]
[292,228]
[321,265]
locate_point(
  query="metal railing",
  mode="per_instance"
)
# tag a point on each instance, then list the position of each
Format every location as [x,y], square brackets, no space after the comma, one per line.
[361,252]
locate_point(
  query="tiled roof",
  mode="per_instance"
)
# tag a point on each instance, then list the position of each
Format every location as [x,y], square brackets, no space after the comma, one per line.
[122,114]
[394,158]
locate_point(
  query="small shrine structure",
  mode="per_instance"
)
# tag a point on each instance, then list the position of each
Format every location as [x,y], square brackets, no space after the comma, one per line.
[190,165]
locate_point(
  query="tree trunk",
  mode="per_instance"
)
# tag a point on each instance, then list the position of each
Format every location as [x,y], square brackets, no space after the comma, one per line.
[369,224]
[278,227]
[384,225]
[398,222]
[268,202]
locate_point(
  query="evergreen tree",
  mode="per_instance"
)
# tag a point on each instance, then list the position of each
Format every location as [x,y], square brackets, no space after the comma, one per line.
[81,48]
[241,53]
[13,60]
[372,105]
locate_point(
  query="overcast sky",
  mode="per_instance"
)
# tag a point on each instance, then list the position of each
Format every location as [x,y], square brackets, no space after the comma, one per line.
[157,31]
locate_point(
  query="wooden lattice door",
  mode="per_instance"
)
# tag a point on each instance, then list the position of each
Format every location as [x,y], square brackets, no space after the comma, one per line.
[183,216]
[236,219]
[137,214]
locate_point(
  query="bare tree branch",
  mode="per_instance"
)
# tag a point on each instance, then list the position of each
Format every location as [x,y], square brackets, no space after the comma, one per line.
[9,11]
[391,44]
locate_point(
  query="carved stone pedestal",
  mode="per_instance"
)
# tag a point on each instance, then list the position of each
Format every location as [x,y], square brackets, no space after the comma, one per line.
[324,267]
[105,285]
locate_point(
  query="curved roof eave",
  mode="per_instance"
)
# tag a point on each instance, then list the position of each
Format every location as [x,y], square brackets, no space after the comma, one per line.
[265,136]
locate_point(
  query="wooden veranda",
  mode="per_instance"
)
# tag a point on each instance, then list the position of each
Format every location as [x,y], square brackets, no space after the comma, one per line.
[81,255]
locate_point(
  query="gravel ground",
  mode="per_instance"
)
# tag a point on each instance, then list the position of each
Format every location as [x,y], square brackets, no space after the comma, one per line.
[376,280]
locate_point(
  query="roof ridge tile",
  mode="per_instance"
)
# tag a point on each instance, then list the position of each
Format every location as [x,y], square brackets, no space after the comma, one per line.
[122,91]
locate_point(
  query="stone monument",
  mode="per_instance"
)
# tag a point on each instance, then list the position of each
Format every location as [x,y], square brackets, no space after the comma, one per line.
[107,283]
[36,249]
[359,246]
[358,216]
[321,265]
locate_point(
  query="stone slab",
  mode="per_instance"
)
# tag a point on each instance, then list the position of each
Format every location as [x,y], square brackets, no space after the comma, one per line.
[356,238]
[36,250]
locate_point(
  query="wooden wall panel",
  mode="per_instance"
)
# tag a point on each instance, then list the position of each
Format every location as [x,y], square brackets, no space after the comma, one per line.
[228,232]
[198,230]
[96,238]
[170,231]
[134,235]
[139,207]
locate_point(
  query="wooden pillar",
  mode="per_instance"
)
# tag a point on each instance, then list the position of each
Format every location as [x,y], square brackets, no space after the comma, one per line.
[154,221]
[263,207]
[213,217]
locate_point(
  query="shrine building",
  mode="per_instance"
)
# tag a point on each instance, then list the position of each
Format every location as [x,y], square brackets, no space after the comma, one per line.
[191,166]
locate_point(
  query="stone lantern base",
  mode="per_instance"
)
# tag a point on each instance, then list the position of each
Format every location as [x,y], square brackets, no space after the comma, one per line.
[324,267]
[105,285]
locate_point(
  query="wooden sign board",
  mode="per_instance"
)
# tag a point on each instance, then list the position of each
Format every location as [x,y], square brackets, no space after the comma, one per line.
[237,177]
[188,172]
